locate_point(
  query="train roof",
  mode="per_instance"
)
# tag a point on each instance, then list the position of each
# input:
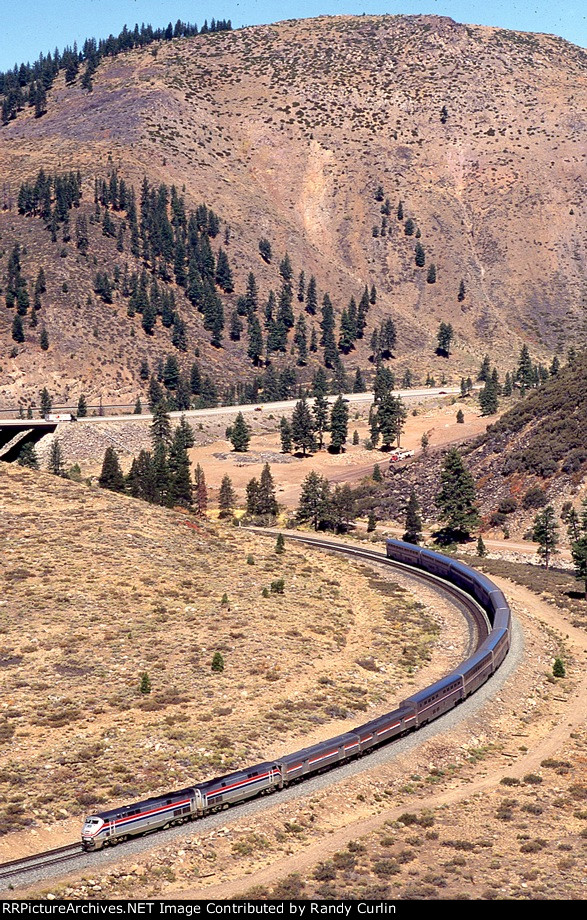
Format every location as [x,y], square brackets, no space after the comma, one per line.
[393,716]
[145,803]
[231,777]
[319,748]
[470,662]
[479,577]
[493,639]
[427,692]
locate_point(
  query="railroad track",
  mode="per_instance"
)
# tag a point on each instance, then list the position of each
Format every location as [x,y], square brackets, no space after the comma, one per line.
[40,860]
[479,629]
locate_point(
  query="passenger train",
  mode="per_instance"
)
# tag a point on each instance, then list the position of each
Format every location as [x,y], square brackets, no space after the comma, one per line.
[118,824]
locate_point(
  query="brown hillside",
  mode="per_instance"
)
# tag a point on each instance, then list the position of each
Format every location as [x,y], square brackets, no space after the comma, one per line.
[538,444]
[286,131]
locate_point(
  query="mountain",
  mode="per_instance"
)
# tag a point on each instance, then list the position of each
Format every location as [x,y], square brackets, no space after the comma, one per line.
[291,133]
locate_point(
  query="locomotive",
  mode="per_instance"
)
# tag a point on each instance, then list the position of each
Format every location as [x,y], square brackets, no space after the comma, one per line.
[118,824]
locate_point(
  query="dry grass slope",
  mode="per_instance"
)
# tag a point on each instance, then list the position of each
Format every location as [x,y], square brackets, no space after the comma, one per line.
[97,589]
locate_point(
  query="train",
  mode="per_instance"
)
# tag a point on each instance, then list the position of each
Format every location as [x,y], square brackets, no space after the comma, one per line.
[108,828]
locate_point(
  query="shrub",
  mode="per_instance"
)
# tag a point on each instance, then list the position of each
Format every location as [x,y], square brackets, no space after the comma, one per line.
[385,868]
[217,662]
[509,781]
[324,872]
[507,505]
[533,846]
[535,497]
[558,668]
[277,586]
[532,779]
[576,459]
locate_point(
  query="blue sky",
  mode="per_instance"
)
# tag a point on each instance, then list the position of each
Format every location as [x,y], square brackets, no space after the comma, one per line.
[31,26]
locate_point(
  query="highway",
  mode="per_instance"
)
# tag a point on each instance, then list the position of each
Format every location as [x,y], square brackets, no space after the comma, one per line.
[261,408]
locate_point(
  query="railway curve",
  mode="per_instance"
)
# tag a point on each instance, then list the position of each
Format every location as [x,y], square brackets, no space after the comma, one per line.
[72,855]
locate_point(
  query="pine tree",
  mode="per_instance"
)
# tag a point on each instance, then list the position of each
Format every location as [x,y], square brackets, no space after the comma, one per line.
[488,397]
[44,339]
[200,491]
[161,425]
[481,550]
[431,276]
[420,255]
[413,532]
[342,509]
[301,287]
[301,340]
[285,269]
[17,329]
[240,434]
[456,499]
[82,406]
[312,297]
[138,409]
[111,476]
[180,485]
[314,500]
[145,683]
[545,533]
[266,500]
[236,327]
[371,522]
[485,370]
[327,327]
[156,395]
[577,529]
[285,434]
[339,418]
[223,273]
[56,464]
[302,427]
[525,370]
[265,250]
[358,383]
[388,420]
[280,544]
[226,497]
[28,457]
[46,403]
[460,417]
[445,336]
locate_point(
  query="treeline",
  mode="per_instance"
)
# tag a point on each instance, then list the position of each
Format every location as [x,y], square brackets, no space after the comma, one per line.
[526,376]
[27,84]
[175,248]
[161,476]
[51,197]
